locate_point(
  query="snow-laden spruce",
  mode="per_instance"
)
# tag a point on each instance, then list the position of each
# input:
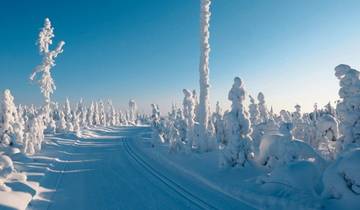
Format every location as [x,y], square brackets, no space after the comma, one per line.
[237,151]
[9,120]
[348,108]
[46,82]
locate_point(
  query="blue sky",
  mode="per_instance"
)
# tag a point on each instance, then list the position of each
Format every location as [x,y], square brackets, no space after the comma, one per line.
[149,50]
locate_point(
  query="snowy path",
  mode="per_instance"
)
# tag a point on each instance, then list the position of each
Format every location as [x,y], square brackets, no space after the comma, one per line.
[108,173]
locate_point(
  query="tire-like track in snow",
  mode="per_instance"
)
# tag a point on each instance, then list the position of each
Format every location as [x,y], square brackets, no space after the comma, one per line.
[181,191]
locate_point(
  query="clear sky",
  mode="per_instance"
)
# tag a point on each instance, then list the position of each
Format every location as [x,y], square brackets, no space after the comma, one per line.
[149,50]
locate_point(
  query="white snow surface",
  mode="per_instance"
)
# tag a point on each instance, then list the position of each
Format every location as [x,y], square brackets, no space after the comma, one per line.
[121,168]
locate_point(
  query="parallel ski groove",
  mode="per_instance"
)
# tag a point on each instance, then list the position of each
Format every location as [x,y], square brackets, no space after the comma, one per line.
[168,182]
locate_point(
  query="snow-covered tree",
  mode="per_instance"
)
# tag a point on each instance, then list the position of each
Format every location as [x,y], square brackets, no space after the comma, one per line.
[298,123]
[253,111]
[237,129]
[35,134]
[113,116]
[218,122]
[102,113]
[189,115]
[76,123]
[61,123]
[203,112]
[8,118]
[158,133]
[132,112]
[68,116]
[46,82]
[349,107]
[264,114]
[90,114]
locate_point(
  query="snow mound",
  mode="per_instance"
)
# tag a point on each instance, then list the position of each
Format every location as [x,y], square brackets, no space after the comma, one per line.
[300,175]
[342,179]
[6,168]
[281,149]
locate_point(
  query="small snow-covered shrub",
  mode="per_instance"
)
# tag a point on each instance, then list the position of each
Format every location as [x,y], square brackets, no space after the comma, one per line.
[281,149]
[342,178]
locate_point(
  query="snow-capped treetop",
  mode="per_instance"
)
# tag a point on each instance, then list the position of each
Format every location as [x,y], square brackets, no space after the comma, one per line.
[237,94]
[45,36]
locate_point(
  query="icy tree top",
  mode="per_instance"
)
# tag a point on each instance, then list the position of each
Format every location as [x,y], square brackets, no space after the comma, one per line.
[45,36]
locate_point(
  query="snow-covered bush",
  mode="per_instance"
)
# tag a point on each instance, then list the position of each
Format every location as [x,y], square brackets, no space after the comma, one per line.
[303,176]
[342,179]
[327,134]
[238,150]
[281,149]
